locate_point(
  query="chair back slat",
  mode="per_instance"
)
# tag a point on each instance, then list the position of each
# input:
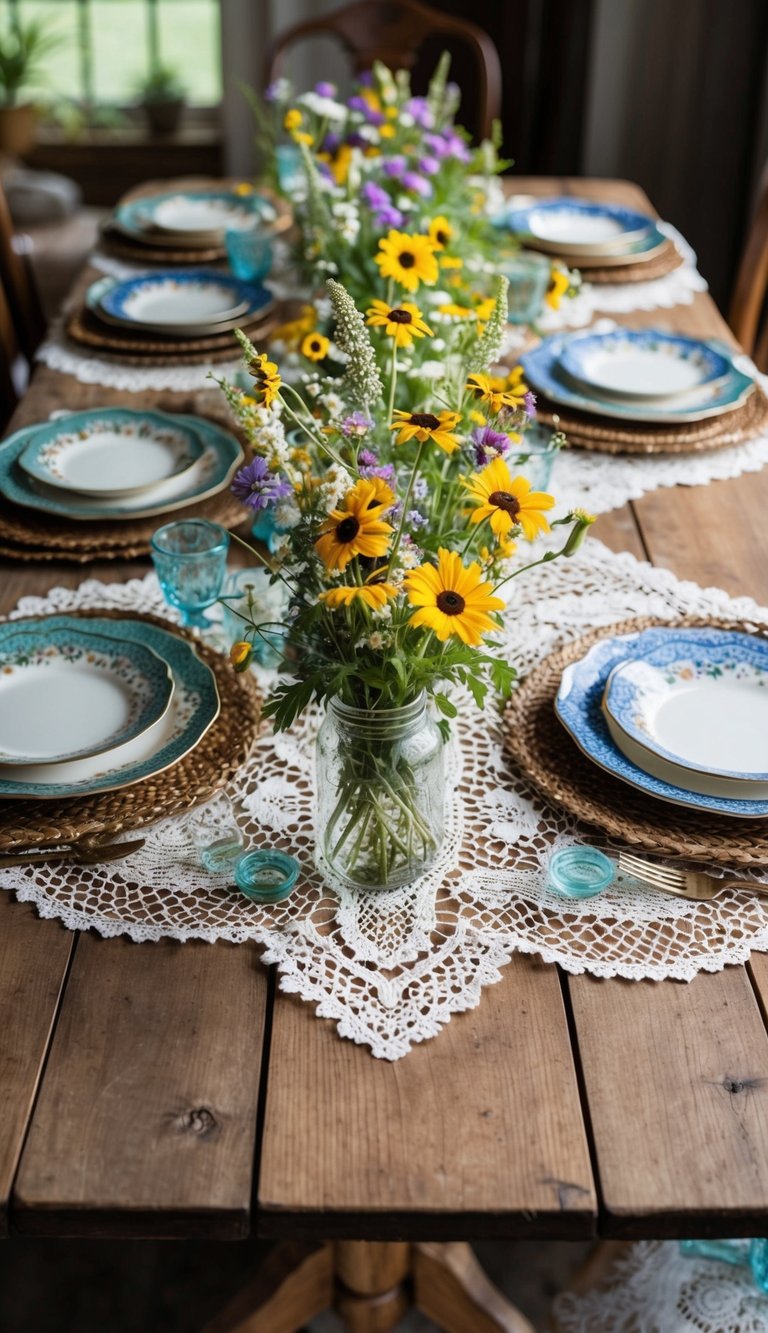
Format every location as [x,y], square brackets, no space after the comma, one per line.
[19,286]
[393,31]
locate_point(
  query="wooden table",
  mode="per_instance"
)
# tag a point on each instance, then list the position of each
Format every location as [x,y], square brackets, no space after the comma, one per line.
[172,1090]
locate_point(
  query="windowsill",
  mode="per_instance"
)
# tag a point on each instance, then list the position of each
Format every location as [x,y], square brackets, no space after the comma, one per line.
[129,136]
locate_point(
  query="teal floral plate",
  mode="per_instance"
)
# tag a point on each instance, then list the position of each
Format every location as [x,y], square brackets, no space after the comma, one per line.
[209,474]
[68,693]
[193,710]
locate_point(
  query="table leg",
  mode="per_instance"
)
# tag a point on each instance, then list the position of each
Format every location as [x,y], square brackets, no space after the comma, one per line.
[371,1285]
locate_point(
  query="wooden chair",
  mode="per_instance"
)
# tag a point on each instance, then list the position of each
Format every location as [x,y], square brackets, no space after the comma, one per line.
[18,283]
[9,354]
[393,31]
[749,294]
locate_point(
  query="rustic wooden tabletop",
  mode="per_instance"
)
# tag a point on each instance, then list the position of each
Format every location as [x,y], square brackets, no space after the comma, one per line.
[167,1089]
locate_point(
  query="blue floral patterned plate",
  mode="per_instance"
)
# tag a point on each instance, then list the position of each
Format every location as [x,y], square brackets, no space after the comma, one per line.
[194,707]
[642,364]
[179,302]
[67,693]
[544,369]
[193,215]
[211,473]
[582,227]
[579,708]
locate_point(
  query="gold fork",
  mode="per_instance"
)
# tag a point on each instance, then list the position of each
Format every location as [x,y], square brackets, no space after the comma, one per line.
[88,854]
[693,884]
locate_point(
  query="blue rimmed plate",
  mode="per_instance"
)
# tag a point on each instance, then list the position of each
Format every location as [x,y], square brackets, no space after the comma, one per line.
[691,706]
[638,365]
[543,368]
[210,474]
[581,227]
[68,693]
[110,451]
[193,216]
[579,708]
[179,303]
[194,708]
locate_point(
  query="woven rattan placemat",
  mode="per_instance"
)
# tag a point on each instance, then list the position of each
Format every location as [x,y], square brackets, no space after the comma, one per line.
[545,753]
[139,252]
[85,329]
[666,261]
[195,778]
[608,436]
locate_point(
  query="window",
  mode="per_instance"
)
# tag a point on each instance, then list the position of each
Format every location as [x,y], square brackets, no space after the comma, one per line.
[108,46]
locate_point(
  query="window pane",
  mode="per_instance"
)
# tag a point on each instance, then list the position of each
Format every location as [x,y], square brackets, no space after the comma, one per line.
[119,46]
[60,69]
[190,41]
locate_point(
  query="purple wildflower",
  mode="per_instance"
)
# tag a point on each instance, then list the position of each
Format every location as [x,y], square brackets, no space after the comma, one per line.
[357,424]
[356,140]
[447,144]
[331,142]
[360,104]
[389,216]
[529,405]
[421,111]
[365,79]
[366,457]
[257,487]
[374,195]
[325,89]
[384,470]
[417,184]
[273,90]
[416,518]
[488,444]
[394,166]
[420,488]
[429,165]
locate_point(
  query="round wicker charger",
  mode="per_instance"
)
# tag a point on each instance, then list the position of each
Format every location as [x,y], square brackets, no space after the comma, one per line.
[68,539]
[85,329]
[545,753]
[194,779]
[608,436]
[121,245]
[666,261]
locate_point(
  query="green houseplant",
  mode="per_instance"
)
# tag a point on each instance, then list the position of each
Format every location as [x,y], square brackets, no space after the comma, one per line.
[163,97]
[23,47]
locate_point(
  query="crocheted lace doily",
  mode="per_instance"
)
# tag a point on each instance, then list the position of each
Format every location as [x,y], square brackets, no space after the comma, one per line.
[656,1289]
[391,968]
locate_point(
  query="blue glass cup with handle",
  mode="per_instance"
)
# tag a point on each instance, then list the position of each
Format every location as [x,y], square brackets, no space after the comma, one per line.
[190,558]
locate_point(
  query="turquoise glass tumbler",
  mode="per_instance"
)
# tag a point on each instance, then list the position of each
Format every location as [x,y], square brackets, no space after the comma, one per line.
[537,456]
[529,276]
[266,876]
[290,171]
[249,251]
[580,872]
[190,558]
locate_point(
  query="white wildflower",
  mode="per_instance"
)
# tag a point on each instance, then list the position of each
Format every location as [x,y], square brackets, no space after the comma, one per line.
[333,404]
[376,640]
[409,555]
[287,514]
[325,107]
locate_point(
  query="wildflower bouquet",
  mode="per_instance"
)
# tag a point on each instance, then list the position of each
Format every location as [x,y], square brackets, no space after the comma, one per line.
[398,530]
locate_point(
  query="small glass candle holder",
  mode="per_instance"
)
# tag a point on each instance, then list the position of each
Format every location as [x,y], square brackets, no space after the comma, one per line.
[580,872]
[537,456]
[249,250]
[190,558]
[218,848]
[266,876]
[249,593]
[529,277]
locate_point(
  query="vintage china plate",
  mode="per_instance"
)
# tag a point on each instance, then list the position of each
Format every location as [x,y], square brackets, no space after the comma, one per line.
[68,693]
[194,708]
[135,217]
[259,304]
[176,298]
[696,700]
[643,364]
[579,708]
[543,369]
[565,226]
[210,474]
[201,214]
[111,451]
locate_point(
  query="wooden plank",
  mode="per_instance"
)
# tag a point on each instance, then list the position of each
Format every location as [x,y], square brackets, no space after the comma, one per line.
[146,1120]
[677,1082]
[476,1133]
[34,955]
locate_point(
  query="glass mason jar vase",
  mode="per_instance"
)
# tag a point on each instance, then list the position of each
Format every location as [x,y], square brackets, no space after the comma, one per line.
[381,792]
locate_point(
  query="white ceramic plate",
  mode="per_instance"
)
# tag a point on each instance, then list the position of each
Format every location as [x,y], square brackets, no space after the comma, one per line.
[643,364]
[193,214]
[67,694]
[111,452]
[176,300]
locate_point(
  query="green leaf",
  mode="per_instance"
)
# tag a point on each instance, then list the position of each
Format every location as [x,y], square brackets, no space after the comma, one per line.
[447,708]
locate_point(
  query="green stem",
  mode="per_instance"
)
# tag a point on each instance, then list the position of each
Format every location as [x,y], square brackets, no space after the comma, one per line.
[392,381]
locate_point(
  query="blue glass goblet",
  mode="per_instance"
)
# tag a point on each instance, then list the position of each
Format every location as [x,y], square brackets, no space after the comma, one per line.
[191,561]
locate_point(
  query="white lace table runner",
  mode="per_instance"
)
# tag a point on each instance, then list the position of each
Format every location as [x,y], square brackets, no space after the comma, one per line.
[656,1289]
[392,968]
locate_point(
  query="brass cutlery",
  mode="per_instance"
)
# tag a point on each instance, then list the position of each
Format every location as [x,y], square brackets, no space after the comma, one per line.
[84,853]
[693,884]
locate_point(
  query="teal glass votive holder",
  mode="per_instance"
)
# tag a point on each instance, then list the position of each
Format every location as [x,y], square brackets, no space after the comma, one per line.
[266,876]
[249,597]
[580,872]
[537,456]
[529,277]
[218,844]
[249,251]
[190,558]
[290,171]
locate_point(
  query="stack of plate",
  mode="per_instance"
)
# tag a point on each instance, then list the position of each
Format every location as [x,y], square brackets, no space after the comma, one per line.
[190,225]
[587,235]
[97,704]
[113,467]
[161,314]
[647,376]
[678,713]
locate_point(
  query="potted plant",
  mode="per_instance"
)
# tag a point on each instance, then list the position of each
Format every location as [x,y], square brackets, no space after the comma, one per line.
[22,49]
[163,98]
